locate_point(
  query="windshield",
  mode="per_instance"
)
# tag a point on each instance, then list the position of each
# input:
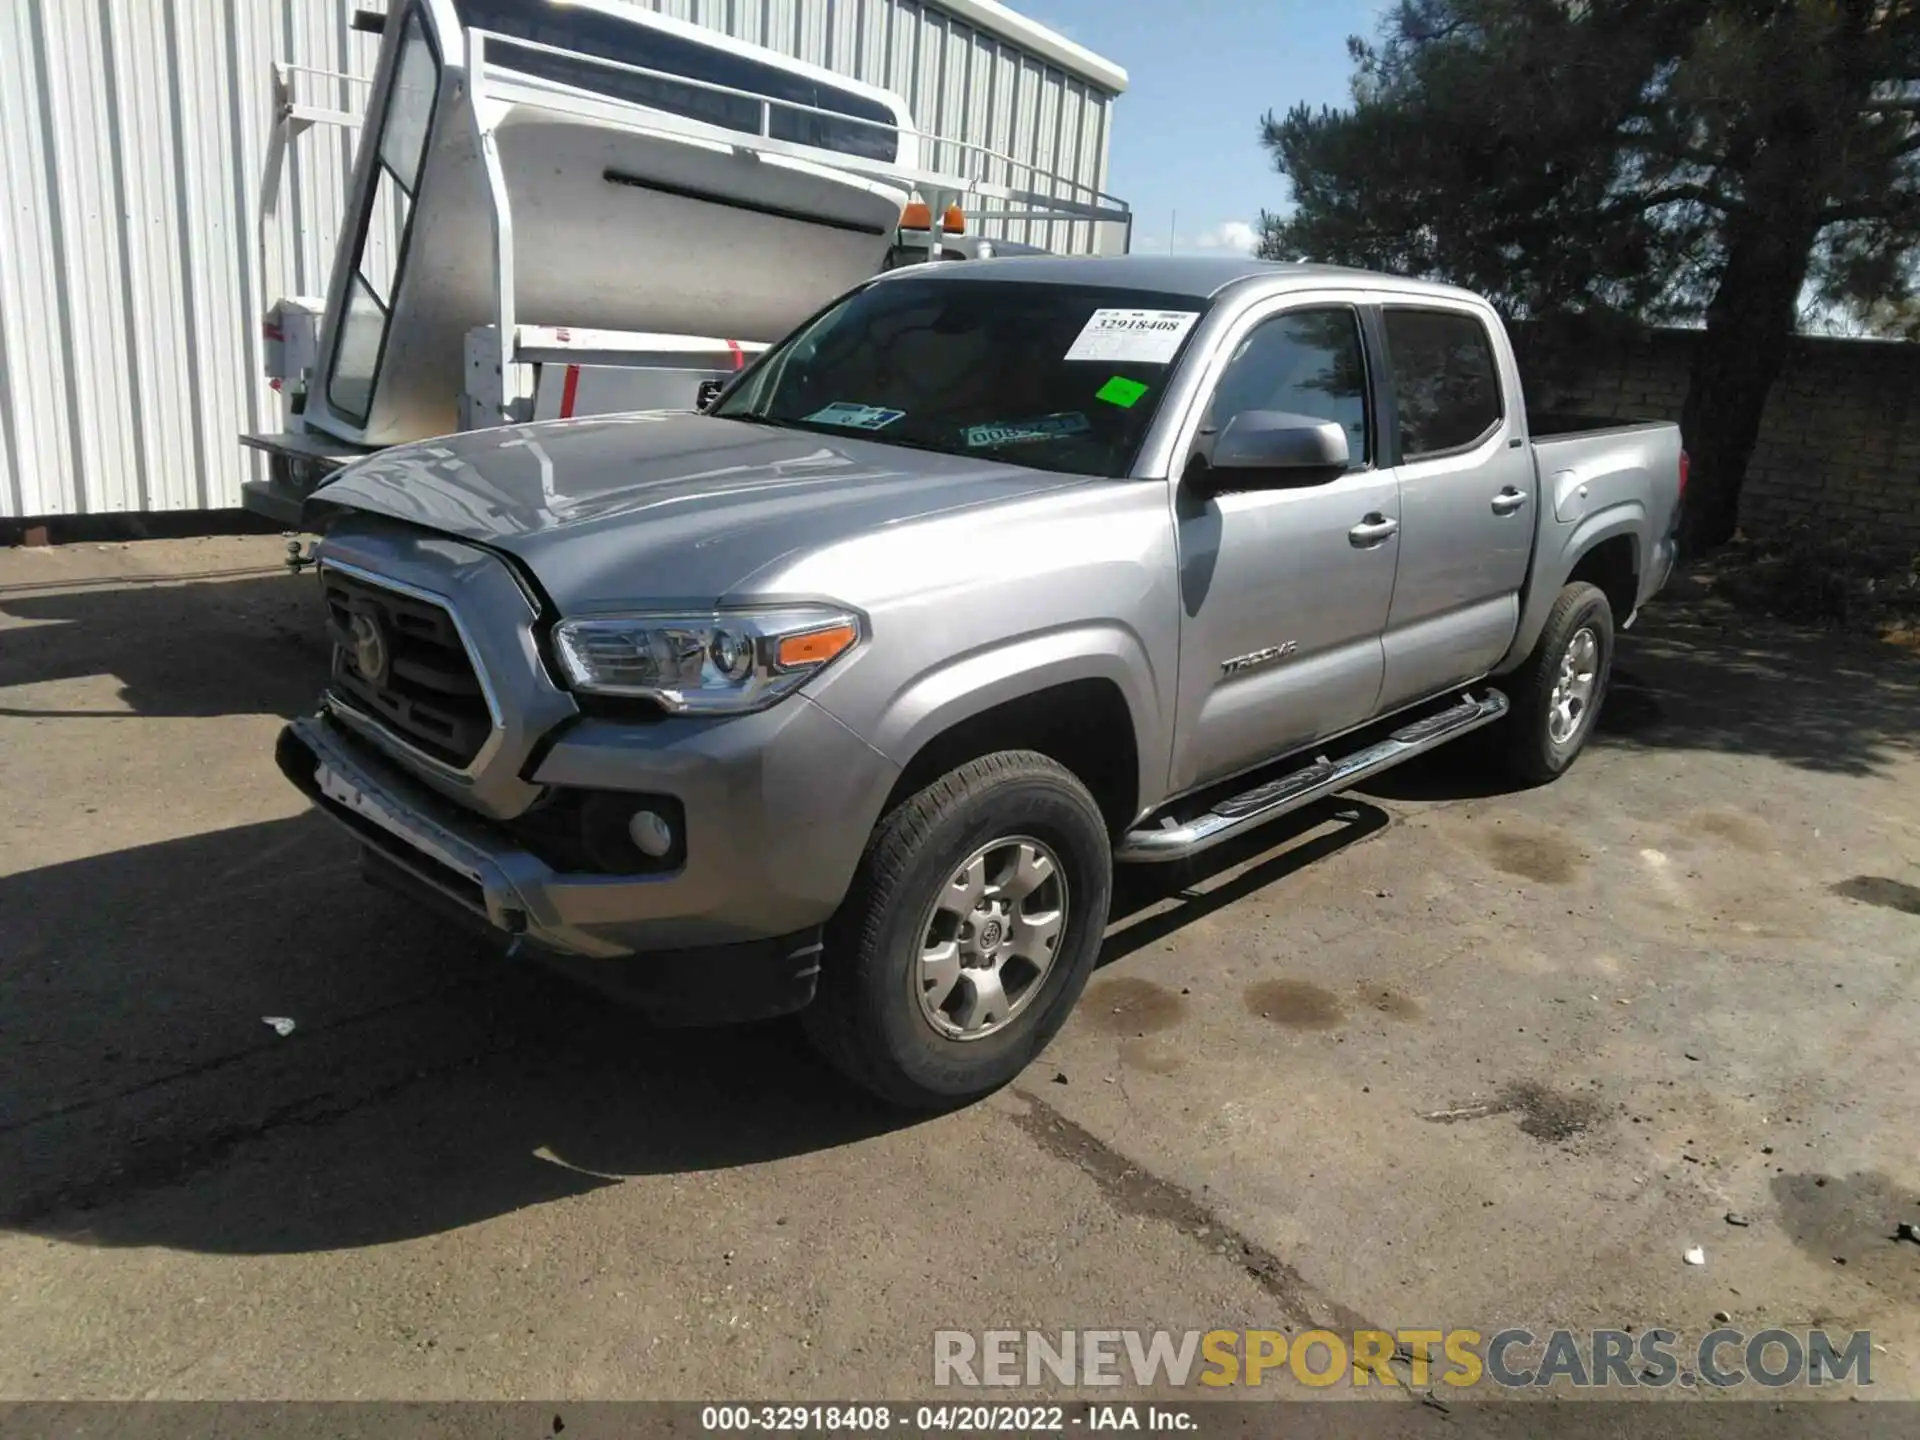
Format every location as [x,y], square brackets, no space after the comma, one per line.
[1058,377]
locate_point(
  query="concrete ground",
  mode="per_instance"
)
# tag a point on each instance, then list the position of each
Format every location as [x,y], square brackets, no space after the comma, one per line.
[1430,1056]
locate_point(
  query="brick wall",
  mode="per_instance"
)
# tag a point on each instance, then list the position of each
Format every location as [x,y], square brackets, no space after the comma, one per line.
[1839,444]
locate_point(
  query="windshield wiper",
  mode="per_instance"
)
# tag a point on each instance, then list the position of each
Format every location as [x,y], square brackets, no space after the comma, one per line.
[883,438]
[849,432]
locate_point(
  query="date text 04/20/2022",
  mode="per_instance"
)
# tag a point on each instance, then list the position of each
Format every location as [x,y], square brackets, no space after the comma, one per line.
[938,1419]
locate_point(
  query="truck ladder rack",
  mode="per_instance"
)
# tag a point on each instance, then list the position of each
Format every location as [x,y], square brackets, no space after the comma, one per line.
[497,85]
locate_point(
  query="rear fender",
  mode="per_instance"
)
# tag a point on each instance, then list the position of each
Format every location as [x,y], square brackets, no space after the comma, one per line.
[1554,562]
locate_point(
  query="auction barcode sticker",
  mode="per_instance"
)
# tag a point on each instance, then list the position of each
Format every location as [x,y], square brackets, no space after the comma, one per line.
[1144,337]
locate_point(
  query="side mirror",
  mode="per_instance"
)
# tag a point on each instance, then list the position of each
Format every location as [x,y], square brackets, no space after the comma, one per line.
[1277,440]
[707,393]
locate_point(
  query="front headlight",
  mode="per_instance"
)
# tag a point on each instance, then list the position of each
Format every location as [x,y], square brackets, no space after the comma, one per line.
[717,662]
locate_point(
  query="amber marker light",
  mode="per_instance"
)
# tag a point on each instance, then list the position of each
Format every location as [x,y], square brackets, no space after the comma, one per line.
[816,647]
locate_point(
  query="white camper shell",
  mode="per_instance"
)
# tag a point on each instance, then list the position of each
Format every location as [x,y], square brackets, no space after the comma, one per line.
[581,208]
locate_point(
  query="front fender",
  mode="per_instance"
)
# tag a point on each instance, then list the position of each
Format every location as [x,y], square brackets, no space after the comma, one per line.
[960,687]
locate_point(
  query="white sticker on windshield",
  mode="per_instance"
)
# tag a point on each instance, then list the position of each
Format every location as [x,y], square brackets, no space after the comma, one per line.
[1144,337]
[857,417]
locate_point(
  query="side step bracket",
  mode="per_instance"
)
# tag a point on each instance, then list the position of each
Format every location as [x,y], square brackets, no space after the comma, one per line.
[1323,776]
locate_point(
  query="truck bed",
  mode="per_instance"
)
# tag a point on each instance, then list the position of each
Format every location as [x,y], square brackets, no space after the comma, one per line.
[1601,476]
[1567,425]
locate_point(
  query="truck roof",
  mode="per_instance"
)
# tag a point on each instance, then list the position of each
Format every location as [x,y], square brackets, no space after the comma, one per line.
[1200,276]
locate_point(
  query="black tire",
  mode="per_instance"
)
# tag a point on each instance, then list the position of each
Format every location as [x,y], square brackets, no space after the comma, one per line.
[1530,751]
[866,1020]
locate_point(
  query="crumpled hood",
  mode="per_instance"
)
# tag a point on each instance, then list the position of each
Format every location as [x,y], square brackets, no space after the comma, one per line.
[664,508]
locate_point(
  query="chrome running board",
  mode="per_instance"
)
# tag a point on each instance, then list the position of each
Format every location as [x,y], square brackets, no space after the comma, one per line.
[1174,841]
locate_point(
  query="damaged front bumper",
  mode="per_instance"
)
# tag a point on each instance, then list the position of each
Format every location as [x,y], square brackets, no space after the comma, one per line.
[416,842]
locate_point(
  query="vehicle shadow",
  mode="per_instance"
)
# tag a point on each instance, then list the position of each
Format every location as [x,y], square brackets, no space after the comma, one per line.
[245,642]
[1150,902]
[1698,677]
[1470,768]
[428,1083]
[1681,681]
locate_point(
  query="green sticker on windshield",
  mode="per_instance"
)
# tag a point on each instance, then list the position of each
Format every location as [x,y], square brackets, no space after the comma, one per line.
[1121,391]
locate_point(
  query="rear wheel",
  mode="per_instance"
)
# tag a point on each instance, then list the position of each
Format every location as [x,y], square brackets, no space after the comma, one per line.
[1558,691]
[968,935]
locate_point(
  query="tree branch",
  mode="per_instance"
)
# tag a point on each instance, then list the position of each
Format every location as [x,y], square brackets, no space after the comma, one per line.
[1677,150]
[1896,207]
[1674,194]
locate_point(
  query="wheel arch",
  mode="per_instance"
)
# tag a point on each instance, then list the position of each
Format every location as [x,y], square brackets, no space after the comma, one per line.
[1075,703]
[1606,549]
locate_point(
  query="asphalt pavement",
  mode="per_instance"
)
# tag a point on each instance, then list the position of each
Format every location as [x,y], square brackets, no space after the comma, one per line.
[1434,1055]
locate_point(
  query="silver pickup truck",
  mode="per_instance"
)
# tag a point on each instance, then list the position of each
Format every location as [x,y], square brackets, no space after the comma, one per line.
[845,696]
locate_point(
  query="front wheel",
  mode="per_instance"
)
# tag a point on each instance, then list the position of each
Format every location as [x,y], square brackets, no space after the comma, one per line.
[1558,690]
[968,935]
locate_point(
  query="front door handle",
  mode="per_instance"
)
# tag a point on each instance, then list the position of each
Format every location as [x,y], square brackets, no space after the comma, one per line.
[1508,501]
[1372,530]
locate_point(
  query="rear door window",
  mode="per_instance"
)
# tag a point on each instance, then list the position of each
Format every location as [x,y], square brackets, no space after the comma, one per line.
[1445,380]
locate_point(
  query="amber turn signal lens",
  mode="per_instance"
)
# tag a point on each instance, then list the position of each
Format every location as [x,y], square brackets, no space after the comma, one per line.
[814,648]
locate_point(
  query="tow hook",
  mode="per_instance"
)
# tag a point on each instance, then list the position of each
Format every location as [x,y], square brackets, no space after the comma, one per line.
[515,922]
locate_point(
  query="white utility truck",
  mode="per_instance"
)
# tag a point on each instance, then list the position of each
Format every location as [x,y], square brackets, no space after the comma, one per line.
[563,209]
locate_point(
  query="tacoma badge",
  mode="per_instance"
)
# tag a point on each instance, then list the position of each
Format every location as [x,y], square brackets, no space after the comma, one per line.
[1258,658]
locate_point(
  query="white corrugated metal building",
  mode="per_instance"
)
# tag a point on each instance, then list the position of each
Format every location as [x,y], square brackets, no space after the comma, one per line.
[132,137]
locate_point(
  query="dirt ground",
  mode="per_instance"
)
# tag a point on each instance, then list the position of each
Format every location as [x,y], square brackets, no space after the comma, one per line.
[1429,1056]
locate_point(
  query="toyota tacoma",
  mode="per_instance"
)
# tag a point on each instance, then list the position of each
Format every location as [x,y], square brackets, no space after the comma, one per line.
[846,695]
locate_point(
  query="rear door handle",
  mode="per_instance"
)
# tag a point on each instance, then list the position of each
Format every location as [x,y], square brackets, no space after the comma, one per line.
[1372,531]
[1508,501]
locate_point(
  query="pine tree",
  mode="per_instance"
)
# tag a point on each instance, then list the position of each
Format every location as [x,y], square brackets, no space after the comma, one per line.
[1632,161]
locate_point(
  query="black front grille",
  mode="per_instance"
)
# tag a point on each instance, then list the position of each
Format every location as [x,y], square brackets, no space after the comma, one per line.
[420,683]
